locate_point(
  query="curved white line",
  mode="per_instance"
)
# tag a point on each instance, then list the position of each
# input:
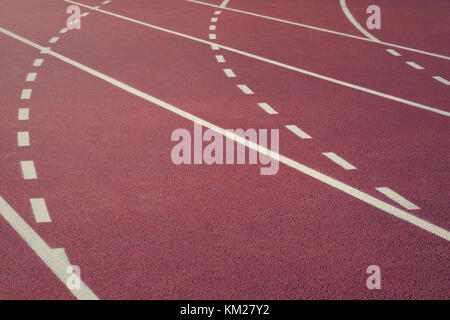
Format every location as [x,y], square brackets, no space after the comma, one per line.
[350,17]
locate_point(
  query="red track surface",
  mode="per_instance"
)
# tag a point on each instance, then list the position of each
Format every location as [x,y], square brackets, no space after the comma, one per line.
[140,227]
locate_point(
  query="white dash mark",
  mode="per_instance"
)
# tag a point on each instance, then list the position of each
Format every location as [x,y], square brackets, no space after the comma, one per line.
[23,113]
[338,160]
[63,30]
[28,170]
[298,132]
[440,79]
[212,36]
[267,108]
[245,89]
[214,19]
[398,198]
[106,2]
[220,59]
[26,94]
[85,14]
[415,65]
[23,139]
[214,47]
[229,73]
[38,62]
[54,39]
[217,12]
[40,210]
[393,52]
[31,77]
[212,27]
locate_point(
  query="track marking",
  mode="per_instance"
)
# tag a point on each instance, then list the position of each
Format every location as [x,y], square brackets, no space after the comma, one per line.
[85,14]
[267,108]
[28,170]
[414,65]
[224,3]
[440,79]
[212,27]
[220,59]
[350,17]
[397,198]
[217,12]
[26,94]
[393,52]
[338,160]
[23,114]
[336,184]
[40,210]
[212,36]
[214,19]
[31,77]
[321,29]
[276,63]
[53,40]
[214,47]
[229,73]
[63,30]
[106,2]
[38,62]
[55,259]
[298,132]
[23,139]
[245,89]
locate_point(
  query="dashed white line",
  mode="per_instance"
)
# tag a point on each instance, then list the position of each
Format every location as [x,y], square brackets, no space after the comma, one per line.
[85,14]
[214,47]
[106,2]
[267,108]
[397,198]
[38,62]
[23,139]
[393,52]
[214,19]
[220,59]
[26,94]
[442,80]
[212,27]
[40,210]
[31,77]
[63,30]
[245,89]
[217,12]
[229,73]
[212,36]
[224,3]
[338,160]
[53,40]
[28,170]
[23,114]
[298,132]
[414,65]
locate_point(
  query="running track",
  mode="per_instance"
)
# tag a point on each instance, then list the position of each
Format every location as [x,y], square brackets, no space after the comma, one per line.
[86,129]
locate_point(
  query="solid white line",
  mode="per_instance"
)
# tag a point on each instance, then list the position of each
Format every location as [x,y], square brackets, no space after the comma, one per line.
[214,19]
[23,139]
[229,73]
[53,40]
[297,131]
[350,17]
[220,59]
[224,3]
[55,259]
[393,52]
[31,76]
[267,108]
[440,79]
[403,215]
[338,160]
[397,198]
[23,114]
[217,12]
[245,89]
[276,63]
[28,170]
[318,29]
[40,210]
[414,65]
[63,30]
[212,36]
[212,27]
[38,62]
[26,94]
[85,14]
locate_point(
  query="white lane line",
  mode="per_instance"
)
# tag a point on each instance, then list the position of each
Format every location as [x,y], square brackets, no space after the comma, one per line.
[214,19]
[23,114]
[229,73]
[276,63]
[55,259]
[393,52]
[85,14]
[220,59]
[28,170]
[267,108]
[440,79]
[40,210]
[360,195]
[38,62]
[23,139]
[338,160]
[350,17]
[398,198]
[414,65]
[26,94]
[53,40]
[298,132]
[318,29]
[217,12]
[106,2]
[245,89]
[214,47]
[63,30]
[212,27]
[212,36]
[31,77]
[224,3]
